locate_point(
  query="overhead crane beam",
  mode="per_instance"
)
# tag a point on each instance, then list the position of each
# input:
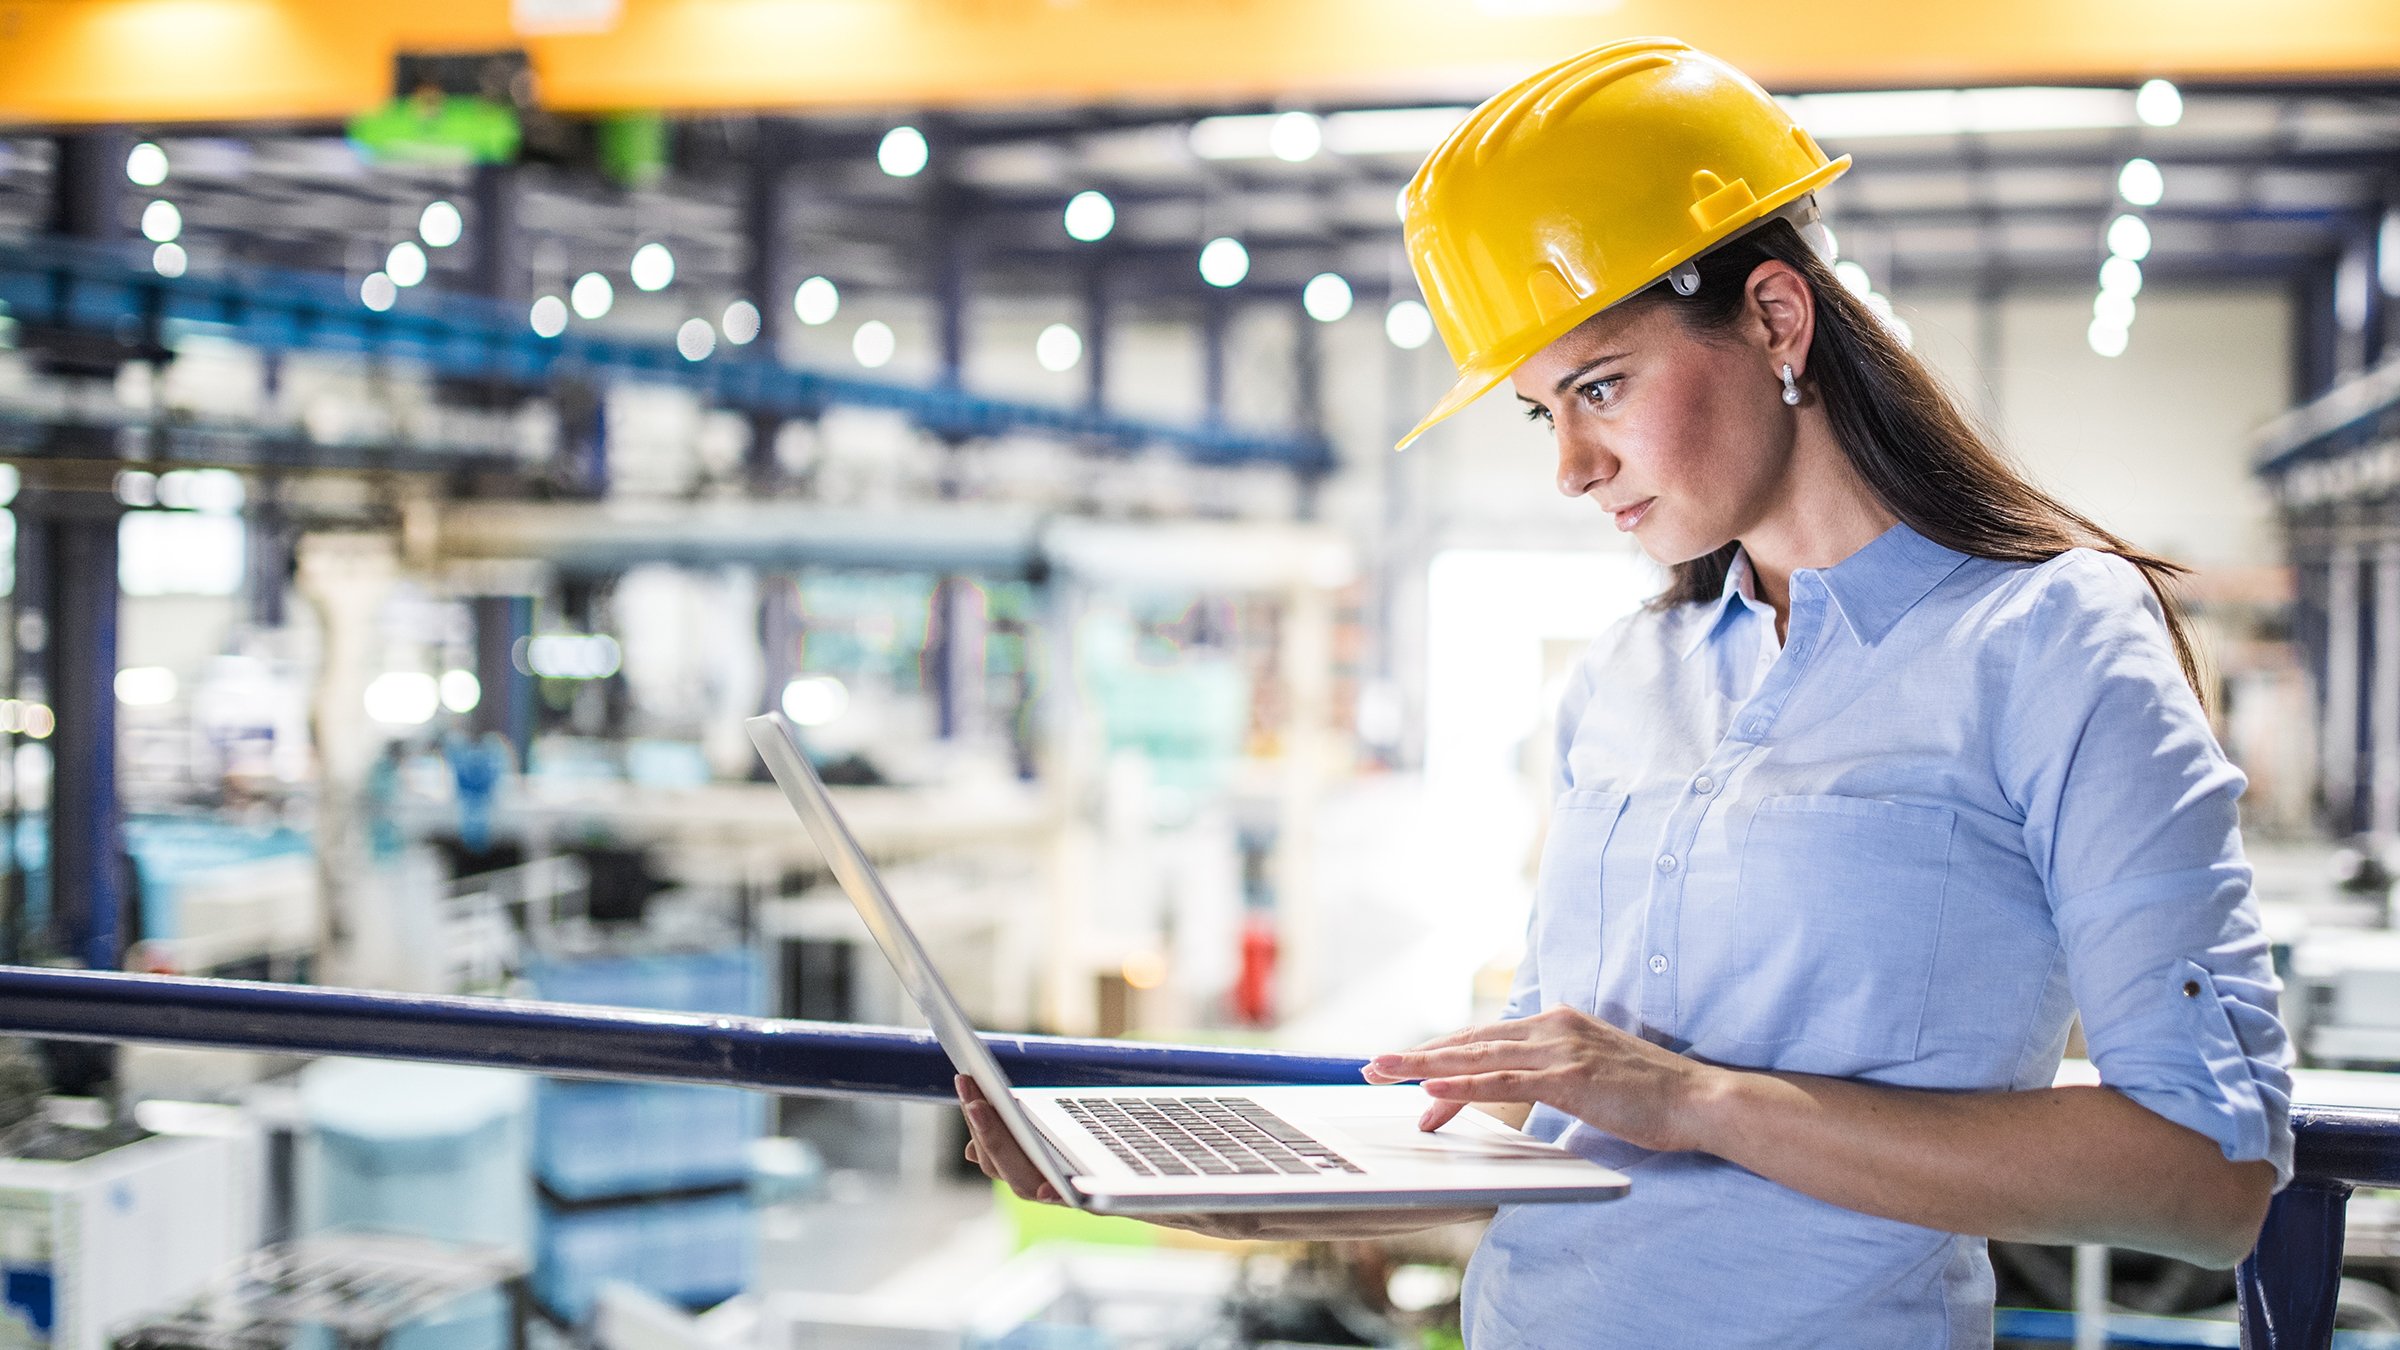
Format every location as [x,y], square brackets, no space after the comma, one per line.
[108,292]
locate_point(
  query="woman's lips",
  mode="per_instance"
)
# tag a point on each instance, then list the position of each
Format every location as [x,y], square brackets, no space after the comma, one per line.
[1632,515]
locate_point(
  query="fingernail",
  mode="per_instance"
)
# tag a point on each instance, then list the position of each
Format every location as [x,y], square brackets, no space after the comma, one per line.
[1384,1061]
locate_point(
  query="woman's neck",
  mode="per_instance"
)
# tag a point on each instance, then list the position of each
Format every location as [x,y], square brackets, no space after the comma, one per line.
[1826,513]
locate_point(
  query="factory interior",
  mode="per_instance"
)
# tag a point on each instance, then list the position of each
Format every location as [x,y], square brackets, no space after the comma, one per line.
[429,431]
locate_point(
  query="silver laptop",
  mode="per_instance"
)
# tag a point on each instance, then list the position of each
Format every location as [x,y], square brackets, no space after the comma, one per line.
[1165,1150]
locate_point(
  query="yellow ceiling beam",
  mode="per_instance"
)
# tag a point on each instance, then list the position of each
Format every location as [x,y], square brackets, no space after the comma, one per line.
[734,54]
[81,61]
[78,61]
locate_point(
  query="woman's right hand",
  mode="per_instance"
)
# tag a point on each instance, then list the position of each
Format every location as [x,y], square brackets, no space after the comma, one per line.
[996,1151]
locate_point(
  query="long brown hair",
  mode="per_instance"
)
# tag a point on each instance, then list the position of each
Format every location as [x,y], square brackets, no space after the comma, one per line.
[1903,434]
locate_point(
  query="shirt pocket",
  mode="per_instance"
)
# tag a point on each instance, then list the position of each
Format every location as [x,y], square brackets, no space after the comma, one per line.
[1835,924]
[1566,900]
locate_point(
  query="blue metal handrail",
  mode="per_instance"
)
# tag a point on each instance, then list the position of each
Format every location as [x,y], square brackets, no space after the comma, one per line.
[2287,1285]
[113,292]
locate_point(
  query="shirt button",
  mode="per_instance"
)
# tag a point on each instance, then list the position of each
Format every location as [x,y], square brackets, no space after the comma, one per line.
[1704,785]
[1755,729]
[1666,862]
[1658,965]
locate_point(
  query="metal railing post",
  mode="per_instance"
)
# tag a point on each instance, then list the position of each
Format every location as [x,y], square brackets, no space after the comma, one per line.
[2290,1283]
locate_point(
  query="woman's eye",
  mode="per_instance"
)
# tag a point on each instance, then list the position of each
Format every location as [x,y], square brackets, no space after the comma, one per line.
[1601,393]
[1535,412]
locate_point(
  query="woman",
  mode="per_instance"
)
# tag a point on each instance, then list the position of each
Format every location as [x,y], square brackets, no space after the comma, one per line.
[1904,771]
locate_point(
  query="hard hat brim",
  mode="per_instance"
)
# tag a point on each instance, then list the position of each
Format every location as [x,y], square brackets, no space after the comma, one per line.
[1480,378]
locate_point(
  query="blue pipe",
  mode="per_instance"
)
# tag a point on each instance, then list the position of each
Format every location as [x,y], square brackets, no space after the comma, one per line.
[113,291]
[2287,1285]
[764,1054]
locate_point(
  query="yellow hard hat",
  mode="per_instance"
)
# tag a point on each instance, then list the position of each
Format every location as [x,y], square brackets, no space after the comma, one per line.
[1582,184]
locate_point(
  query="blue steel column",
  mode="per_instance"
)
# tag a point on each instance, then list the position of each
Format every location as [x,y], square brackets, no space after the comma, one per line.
[501,622]
[1215,318]
[2289,1284]
[1096,326]
[86,830]
[762,280]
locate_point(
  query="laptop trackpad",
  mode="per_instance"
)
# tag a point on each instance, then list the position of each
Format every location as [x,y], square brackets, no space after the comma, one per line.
[1394,1138]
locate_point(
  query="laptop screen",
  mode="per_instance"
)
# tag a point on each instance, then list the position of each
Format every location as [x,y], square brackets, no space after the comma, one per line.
[778,742]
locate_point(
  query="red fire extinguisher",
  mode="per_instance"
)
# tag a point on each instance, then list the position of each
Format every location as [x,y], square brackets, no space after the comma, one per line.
[1254,988]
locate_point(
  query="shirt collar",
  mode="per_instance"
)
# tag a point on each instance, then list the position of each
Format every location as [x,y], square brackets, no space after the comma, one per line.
[1871,588]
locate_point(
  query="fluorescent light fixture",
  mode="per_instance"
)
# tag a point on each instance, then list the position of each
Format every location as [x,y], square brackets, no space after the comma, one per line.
[1408,324]
[814,700]
[903,152]
[653,267]
[1391,131]
[1326,297]
[2114,308]
[549,316]
[570,656]
[405,264]
[695,340]
[2106,338]
[1854,278]
[1058,348]
[1295,137]
[146,165]
[1951,112]
[2129,237]
[2141,183]
[741,323]
[816,301]
[591,295]
[169,260]
[2159,103]
[161,222]
[378,292]
[440,225]
[145,686]
[403,698]
[461,691]
[2121,274]
[873,344]
[1224,262]
[1090,216]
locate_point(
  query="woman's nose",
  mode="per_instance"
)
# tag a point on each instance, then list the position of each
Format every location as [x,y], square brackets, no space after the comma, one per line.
[1582,466]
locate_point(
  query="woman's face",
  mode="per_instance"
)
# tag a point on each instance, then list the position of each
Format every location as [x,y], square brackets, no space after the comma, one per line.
[1685,442]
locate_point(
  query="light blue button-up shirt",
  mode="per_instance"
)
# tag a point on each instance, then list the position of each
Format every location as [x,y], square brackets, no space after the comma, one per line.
[1964,801]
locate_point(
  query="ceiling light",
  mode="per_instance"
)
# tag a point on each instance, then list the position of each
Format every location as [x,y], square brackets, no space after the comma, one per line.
[816,301]
[549,316]
[145,686]
[2159,103]
[146,165]
[377,292]
[405,264]
[741,323]
[168,260]
[2106,338]
[1224,262]
[1408,324]
[591,295]
[1854,278]
[1951,112]
[814,700]
[2129,237]
[461,691]
[873,344]
[903,153]
[2121,274]
[2140,182]
[161,222]
[653,267]
[571,656]
[404,698]
[1295,137]
[2114,308]
[1058,348]
[1090,216]
[1326,297]
[695,340]
[440,225]
[1391,131]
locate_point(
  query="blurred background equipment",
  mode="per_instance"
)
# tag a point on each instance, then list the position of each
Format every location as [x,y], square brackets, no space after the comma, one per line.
[427,431]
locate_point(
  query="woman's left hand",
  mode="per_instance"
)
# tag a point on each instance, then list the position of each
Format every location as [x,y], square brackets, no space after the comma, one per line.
[1612,1080]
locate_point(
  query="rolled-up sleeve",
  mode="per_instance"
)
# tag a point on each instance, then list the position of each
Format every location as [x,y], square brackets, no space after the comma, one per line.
[2131,818]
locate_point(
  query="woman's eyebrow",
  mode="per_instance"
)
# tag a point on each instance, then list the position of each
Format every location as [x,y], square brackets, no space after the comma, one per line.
[1585,369]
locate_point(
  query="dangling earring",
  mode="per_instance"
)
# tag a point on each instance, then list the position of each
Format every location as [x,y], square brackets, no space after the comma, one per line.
[1791,391]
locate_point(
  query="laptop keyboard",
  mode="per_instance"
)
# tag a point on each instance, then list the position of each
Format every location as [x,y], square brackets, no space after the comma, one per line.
[1202,1136]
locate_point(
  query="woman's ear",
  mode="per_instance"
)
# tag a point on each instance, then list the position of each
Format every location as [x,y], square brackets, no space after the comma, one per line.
[1783,313]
